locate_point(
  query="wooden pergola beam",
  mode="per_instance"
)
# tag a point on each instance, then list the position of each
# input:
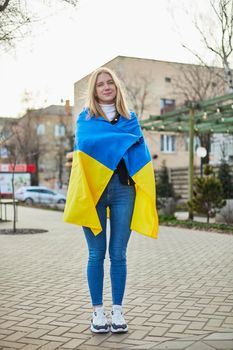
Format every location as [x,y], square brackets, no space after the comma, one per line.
[211,116]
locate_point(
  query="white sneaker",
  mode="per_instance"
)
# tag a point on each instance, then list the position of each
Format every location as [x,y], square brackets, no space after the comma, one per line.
[99,322]
[118,322]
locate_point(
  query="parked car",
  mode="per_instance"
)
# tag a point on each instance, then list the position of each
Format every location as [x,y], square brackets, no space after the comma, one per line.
[39,194]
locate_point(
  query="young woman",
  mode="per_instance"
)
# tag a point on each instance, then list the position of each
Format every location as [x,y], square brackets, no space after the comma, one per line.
[112,176]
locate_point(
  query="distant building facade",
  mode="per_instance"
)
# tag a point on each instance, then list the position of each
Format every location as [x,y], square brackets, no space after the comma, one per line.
[156,87]
[47,134]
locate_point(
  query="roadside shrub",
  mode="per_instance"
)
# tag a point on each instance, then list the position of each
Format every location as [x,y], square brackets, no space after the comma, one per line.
[166,200]
[224,175]
[207,194]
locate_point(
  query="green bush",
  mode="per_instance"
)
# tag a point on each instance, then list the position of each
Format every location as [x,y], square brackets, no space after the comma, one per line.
[164,187]
[170,220]
[165,192]
[224,175]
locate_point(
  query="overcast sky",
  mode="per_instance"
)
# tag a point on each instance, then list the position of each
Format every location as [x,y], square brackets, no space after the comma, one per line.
[69,43]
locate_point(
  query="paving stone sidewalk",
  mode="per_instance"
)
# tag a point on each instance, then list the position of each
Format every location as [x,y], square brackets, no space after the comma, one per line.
[179,293]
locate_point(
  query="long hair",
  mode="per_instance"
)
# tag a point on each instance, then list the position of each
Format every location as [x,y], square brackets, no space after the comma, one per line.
[92,103]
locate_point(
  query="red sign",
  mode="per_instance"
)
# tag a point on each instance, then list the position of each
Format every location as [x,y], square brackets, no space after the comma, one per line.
[19,168]
[31,168]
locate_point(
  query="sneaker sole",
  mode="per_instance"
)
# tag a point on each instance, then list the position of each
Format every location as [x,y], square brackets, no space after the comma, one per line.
[119,330]
[94,330]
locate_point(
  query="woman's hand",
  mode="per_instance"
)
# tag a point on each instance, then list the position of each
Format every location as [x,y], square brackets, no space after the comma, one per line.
[69,157]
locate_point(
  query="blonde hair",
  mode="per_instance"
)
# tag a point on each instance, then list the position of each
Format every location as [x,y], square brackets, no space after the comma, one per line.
[92,103]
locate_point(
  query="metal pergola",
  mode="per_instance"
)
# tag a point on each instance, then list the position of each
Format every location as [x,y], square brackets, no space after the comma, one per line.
[195,118]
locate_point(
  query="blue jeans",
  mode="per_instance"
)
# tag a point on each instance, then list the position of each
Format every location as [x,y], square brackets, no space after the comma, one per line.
[120,200]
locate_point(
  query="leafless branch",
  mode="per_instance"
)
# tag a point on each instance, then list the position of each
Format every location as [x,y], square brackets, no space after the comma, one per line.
[16,20]
[223,48]
[139,92]
[198,83]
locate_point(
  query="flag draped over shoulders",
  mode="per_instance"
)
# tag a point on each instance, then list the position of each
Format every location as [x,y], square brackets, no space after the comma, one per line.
[99,147]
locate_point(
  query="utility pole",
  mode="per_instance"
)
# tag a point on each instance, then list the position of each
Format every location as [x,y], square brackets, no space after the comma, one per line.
[192,106]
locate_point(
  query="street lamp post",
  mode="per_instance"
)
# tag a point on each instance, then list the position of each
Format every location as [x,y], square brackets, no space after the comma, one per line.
[201,153]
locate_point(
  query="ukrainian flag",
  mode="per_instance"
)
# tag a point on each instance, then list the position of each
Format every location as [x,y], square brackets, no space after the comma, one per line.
[99,147]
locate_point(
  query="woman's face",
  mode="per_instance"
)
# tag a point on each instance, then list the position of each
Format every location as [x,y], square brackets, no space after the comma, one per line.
[105,89]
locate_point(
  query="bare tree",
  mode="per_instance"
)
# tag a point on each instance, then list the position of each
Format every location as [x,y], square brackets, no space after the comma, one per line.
[64,145]
[15,20]
[219,39]
[197,83]
[31,144]
[22,144]
[14,154]
[23,136]
[139,91]
[202,82]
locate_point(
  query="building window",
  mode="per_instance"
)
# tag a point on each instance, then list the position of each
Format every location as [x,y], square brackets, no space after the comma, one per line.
[167,143]
[40,130]
[196,143]
[59,130]
[167,105]
[168,80]
[4,152]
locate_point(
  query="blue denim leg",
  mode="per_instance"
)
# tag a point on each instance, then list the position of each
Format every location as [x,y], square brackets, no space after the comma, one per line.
[97,250]
[121,209]
[120,199]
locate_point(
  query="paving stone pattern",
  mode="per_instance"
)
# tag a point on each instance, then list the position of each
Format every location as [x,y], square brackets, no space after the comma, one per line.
[179,293]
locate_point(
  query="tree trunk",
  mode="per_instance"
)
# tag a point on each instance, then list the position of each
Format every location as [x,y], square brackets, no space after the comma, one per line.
[13,197]
[4,5]
[60,175]
[228,75]
[35,176]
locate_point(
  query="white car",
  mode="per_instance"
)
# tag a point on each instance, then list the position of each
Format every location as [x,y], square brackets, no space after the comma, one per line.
[39,194]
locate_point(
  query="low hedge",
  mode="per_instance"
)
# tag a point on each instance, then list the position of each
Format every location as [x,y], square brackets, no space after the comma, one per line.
[169,220]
